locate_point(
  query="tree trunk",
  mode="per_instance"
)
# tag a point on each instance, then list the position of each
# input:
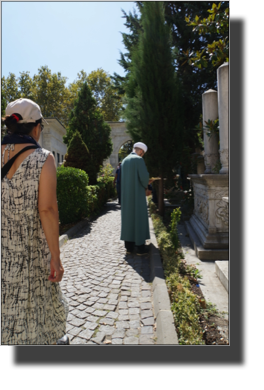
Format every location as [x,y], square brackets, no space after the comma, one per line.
[161,197]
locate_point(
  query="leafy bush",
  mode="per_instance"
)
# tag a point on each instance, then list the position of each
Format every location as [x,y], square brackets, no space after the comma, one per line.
[76,199]
[106,177]
[77,155]
[185,305]
[72,194]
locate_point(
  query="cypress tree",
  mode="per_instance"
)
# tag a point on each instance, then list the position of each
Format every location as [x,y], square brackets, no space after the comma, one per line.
[77,155]
[95,133]
[154,108]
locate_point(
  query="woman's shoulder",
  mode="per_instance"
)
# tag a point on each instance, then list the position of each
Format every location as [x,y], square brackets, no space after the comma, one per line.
[43,152]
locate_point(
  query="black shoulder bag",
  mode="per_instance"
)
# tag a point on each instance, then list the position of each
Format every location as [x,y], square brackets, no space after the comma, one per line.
[8,165]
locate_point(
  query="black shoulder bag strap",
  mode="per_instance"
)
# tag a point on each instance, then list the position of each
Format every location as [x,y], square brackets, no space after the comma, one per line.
[8,165]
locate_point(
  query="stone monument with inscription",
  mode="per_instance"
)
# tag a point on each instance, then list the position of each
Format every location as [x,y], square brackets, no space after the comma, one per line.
[209,225]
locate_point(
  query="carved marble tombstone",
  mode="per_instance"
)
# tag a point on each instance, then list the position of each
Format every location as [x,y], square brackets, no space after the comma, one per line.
[210,219]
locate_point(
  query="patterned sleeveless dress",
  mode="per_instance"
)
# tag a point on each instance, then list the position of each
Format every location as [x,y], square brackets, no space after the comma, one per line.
[33,309]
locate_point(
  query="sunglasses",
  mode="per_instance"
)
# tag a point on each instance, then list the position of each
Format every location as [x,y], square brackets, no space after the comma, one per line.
[42,126]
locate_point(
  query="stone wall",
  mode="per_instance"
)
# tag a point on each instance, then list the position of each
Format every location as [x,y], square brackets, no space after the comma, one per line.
[52,139]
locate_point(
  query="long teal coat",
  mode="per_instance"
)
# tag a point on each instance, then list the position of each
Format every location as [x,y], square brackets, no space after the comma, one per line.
[134,214]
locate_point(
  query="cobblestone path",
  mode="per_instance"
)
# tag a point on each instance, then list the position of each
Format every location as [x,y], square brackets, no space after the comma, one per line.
[109,293]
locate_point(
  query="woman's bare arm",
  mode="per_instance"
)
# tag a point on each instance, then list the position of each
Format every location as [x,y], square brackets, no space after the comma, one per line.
[49,215]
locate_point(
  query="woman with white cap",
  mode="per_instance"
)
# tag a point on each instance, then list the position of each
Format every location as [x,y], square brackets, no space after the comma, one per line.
[33,310]
[134,214]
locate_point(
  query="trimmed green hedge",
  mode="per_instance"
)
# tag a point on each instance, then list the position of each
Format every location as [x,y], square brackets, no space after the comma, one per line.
[72,194]
[77,200]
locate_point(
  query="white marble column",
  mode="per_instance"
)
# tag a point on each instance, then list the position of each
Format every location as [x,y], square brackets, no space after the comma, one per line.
[210,111]
[223,109]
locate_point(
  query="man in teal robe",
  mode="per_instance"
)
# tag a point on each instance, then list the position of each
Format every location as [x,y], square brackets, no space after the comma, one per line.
[134,214]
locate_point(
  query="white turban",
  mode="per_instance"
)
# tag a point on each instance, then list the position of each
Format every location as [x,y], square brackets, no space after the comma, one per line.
[140,145]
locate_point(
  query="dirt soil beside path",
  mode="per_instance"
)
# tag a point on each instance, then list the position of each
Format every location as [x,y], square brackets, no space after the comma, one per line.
[211,324]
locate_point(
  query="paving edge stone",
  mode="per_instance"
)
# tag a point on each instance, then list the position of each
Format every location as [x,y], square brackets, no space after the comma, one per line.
[166,332]
[72,231]
[221,269]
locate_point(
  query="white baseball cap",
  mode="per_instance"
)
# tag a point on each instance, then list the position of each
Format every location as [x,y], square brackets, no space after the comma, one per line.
[140,145]
[29,110]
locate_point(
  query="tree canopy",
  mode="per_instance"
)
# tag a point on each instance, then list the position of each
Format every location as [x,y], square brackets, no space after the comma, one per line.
[153,95]
[56,99]
[94,131]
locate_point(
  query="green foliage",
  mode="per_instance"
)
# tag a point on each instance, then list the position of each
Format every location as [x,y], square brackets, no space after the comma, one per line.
[95,133]
[212,127]
[107,99]
[175,218]
[56,99]
[77,155]
[106,176]
[72,194]
[77,200]
[153,111]
[216,52]
[125,150]
[3,108]
[50,92]
[185,305]
[10,88]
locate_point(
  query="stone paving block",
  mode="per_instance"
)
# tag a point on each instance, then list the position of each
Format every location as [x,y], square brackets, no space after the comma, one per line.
[99,337]
[98,306]
[100,313]
[146,313]
[113,302]
[86,334]
[82,314]
[107,321]
[117,341]
[112,315]
[92,318]
[79,340]
[123,317]
[109,307]
[133,310]
[148,321]
[133,304]
[102,300]
[75,331]
[91,325]
[134,324]
[132,332]
[89,310]
[146,305]
[123,312]
[118,333]
[74,304]
[108,330]
[122,305]
[145,339]
[113,296]
[131,340]
[147,330]
[103,295]
[134,317]
[122,325]
[76,321]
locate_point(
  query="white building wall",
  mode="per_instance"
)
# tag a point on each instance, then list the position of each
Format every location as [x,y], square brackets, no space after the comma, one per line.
[52,139]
